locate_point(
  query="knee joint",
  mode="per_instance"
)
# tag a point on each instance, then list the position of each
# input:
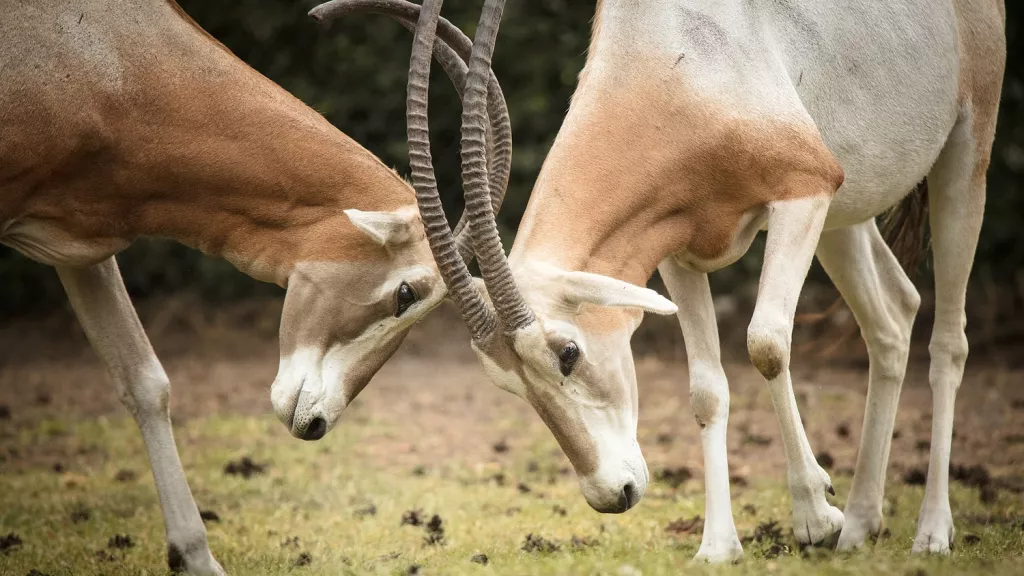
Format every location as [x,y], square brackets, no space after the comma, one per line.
[769,351]
[709,399]
[889,351]
[145,392]
[898,322]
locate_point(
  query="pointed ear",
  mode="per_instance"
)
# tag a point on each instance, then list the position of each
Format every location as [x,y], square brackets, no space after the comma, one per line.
[388,228]
[584,287]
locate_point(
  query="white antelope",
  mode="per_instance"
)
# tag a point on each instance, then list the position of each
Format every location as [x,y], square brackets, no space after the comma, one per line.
[125,119]
[694,126]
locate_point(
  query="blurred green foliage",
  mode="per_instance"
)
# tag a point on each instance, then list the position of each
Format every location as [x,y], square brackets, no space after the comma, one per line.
[355,74]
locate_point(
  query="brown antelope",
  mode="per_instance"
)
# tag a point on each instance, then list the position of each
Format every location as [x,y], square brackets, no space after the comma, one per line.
[694,126]
[125,119]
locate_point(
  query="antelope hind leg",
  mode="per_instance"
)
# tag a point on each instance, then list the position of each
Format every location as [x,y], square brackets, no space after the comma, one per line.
[956,188]
[884,302]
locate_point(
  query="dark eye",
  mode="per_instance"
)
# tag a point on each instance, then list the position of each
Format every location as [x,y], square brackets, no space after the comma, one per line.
[404,298]
[567,357]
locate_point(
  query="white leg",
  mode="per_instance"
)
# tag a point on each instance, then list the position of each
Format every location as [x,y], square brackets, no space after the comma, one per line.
[956,187]
[709,397]
[102,305]
[884,302]
[793,230]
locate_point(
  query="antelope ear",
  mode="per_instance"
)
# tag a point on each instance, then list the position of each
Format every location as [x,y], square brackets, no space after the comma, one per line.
[587,288]
[388,228]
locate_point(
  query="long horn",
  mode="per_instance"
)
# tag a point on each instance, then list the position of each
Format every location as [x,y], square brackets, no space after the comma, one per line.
[508,301]
[451,53]
[478,316]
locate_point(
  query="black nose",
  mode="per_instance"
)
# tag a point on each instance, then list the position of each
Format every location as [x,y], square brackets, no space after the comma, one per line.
[316,429]
[629,497]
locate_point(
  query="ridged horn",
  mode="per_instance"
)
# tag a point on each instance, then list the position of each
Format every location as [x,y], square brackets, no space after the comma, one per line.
[451,53]
[475,312]
[508,300]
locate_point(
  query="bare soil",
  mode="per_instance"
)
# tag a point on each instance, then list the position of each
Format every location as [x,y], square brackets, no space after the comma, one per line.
[432,390]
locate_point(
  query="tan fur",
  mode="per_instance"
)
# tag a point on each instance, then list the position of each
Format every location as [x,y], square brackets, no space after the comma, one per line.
[192,145]
[323,304]
[676,174]
[981,24]
[574,440]
[663,157]
[123,118]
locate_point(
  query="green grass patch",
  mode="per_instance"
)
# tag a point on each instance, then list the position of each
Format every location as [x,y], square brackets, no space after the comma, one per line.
[334,507]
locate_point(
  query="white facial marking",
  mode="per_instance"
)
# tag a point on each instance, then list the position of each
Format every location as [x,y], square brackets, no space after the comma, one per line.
[291,375]
[595,403]
[315,382]
[507,380]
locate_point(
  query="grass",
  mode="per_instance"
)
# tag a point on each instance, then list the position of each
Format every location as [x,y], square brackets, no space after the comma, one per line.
[338,503]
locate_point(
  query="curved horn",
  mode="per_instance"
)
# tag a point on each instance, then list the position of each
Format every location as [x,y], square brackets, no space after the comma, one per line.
[477,315]
[451,53]
[508,301]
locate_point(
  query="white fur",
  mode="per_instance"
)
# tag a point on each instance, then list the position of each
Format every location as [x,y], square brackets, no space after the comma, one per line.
[620,462]
[821,63]
[587,288]
[956,208]
[879,82]
[101,303]
[610,427]
[710,390]
[884,302]
[793,230]
[314,382]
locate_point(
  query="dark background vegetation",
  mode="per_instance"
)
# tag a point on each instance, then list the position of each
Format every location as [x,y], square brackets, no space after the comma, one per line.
[355,74]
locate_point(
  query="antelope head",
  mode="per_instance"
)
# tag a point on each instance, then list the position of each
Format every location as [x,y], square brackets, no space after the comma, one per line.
[559,339]
[342,321]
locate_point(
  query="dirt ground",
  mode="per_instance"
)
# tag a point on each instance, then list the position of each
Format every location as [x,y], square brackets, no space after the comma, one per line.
[434,389]
[431,411]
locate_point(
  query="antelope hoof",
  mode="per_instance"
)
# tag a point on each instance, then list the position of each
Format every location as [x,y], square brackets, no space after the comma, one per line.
[719,551]
[934,535]
[197,562]
[817,525]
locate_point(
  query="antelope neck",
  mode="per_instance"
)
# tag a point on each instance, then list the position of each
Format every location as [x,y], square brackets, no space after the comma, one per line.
[652,162]
[193,145]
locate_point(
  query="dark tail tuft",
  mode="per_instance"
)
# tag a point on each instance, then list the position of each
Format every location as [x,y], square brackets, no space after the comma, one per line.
[905,229]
